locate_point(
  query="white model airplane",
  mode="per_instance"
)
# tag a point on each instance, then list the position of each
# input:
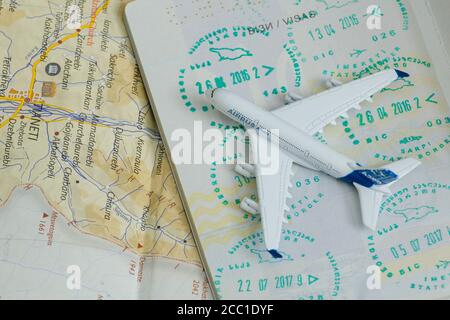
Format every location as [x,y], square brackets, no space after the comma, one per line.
[297,122]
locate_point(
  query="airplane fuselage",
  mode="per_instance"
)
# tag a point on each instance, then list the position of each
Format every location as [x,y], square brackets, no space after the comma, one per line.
[302,148]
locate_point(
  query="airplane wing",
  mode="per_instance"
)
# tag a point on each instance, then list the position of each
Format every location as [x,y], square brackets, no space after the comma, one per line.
[313,114]
[273,191]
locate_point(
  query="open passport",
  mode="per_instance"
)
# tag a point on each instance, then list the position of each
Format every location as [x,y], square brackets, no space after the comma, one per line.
[263,50]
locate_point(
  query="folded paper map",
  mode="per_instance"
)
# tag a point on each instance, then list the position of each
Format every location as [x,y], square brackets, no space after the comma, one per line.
[89,207]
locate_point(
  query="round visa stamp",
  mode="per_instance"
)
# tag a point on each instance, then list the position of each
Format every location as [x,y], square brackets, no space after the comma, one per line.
[237,58]
[411,251]
[303,272]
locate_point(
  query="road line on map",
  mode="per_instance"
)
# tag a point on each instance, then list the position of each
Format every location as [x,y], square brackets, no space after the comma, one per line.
[45,55]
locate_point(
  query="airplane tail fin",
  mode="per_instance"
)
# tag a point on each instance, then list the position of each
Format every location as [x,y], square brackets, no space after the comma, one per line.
[383,178]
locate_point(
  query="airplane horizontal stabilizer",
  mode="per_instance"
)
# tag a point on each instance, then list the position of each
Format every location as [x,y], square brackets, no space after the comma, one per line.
[371,197]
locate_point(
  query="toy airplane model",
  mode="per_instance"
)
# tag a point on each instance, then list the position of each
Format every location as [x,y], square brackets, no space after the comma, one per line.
[297,122]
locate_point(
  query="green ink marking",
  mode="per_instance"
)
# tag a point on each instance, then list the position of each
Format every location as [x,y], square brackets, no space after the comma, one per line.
[269,70]
[407,140]
[336,4]
[231,53]
[348,130]
[405,15]
[337,274]
[415,245]
[399,85]
[443,264]
[430,99]
[357,53]
[296,64]
[215,183]
[419,213]
[224,53]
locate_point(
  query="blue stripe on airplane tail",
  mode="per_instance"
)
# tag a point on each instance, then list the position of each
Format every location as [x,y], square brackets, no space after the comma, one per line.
[370,178]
